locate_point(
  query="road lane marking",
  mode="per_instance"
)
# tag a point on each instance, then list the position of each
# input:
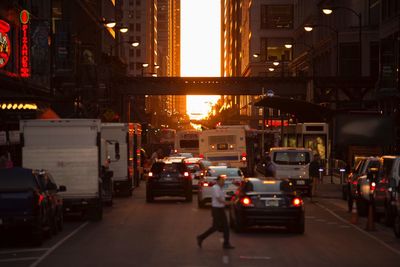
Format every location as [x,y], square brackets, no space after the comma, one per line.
[360,230]
[19,259]
[255,257]
[23,250]
[59,243]
[225,259]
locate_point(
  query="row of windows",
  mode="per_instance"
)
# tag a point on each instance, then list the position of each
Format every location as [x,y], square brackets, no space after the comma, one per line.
[132,2]
[135,27]
[277,17]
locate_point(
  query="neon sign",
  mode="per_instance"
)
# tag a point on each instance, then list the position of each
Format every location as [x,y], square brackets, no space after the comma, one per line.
[24,69]
[5,46]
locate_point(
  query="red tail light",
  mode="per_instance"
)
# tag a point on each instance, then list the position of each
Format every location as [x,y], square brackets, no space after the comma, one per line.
[40,199]
[297,202]
[243,157]
[246,201]
[373,186]
[207,184]
[201,156]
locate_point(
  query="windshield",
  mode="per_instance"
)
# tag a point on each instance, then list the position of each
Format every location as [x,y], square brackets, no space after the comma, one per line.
[268,186]
[17,178]
[226,171]
[159,167]
[291,158]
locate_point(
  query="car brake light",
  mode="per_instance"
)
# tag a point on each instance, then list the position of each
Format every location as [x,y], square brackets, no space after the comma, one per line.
[373,186]
[355,182]
[201,156]
[40,200]
[207,184]
[246,201]
[297,202]
[244,156]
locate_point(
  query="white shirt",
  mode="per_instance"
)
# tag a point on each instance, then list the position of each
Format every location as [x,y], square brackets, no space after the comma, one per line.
[217,192]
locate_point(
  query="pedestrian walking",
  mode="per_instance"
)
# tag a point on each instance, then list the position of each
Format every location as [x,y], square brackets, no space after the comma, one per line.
[314,173]
[220,221]
[270,170]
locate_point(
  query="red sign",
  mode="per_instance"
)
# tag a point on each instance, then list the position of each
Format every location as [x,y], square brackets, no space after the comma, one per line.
[5,46]
[25,70]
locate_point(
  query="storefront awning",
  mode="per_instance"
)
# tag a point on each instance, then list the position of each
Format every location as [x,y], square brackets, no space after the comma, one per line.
[303,110]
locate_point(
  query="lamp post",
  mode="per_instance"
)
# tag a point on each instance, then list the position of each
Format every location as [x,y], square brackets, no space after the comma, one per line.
[329,11]
[309,28]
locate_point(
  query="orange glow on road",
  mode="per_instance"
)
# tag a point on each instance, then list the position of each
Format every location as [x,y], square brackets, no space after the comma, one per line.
[200,49]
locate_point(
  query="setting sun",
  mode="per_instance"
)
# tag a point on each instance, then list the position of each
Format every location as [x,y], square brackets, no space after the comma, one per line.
[200,49]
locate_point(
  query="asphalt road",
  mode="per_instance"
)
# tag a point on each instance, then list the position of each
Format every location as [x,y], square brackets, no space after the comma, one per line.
[134,233]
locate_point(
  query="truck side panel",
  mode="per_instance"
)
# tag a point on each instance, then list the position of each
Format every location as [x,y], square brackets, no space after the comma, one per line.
[76,168]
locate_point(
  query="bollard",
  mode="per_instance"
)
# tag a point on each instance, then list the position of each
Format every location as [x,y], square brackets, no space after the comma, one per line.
[320,174]
[342,171]
[354,214]
[370,221]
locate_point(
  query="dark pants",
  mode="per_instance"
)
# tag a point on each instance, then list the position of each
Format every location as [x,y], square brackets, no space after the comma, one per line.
[220,223]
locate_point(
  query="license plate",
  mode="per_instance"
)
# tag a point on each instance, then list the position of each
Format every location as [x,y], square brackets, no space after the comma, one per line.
[300,182]
[272,203]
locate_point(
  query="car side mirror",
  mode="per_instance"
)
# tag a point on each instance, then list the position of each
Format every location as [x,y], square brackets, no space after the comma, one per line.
[62,188]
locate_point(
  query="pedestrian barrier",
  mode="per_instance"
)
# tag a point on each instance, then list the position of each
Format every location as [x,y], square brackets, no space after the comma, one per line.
[370,221]
[354,214]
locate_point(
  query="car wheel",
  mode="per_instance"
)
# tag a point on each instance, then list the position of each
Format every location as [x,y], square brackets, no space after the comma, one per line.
[37,236]
[298,228]
[60,222]
[96,213]
[149,195]
[238,224]
[396,226]
[189,196]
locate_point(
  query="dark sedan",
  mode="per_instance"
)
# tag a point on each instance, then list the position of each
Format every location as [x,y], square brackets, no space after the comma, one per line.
[267,202]
[169,178]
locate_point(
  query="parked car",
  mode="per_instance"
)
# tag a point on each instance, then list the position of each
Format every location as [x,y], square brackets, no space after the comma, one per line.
[169,178]
[197,169]
[234,176]
[384,194]
[267,202]
[358,184]
[29,200]
[396,224]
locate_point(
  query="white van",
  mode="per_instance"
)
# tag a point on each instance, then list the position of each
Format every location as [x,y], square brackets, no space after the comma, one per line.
[293,163]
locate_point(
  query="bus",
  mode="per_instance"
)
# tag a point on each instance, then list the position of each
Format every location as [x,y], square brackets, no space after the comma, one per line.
[187,142]
[230,144]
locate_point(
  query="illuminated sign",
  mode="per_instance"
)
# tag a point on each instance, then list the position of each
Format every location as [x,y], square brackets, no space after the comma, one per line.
[5,46]
[24,69]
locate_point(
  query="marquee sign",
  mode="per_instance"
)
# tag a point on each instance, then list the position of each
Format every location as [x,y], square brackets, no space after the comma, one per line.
[5,45]
[24,70]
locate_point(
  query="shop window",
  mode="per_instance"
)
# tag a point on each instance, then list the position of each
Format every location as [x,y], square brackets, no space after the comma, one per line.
[277,16]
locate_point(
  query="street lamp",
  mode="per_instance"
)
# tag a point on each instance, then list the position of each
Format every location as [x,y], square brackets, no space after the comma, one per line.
[310,52]
[310,28]
[133,44]
[329,11]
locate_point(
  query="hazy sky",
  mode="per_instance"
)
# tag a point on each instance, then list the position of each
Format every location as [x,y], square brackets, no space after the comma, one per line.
[200,47]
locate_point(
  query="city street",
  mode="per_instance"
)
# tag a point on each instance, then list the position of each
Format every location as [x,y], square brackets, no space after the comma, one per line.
[134,233]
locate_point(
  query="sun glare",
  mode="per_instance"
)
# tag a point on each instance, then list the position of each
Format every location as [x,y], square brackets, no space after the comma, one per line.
[200,49]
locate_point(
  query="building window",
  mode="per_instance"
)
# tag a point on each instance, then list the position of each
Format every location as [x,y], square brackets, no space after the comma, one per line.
[274,49]
[138,39]
[277,16]
[131,52]
[138,53]
[132,65]
[138,27]
[130,2]
[131,27]
[131,39]
[138,2]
